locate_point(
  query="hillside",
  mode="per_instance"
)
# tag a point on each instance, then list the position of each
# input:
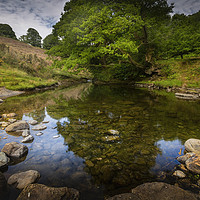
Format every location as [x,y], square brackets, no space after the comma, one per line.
[23,67]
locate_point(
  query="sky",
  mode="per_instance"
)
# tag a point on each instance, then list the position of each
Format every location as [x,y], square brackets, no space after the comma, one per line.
[42,14]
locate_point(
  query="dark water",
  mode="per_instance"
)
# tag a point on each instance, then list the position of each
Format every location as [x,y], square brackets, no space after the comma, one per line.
[112,138]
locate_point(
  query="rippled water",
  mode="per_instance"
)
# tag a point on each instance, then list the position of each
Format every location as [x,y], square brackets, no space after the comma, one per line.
[112,138]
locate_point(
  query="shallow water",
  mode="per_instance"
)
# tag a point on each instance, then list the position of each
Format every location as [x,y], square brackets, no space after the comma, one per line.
[112,138]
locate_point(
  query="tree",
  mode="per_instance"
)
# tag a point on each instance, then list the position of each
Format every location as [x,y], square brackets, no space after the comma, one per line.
[50,41]
[6,31]
[107,33]
[32,37]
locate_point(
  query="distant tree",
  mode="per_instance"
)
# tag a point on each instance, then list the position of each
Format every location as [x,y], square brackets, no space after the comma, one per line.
[6,31]
[33,37]
[23,38]
[50,41]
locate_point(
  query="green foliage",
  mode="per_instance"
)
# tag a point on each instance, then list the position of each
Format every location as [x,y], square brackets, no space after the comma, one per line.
[32,37]
[50,41]
[107,34]
[6,31]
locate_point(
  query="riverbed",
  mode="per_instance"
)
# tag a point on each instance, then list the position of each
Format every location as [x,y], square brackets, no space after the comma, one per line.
[102,139]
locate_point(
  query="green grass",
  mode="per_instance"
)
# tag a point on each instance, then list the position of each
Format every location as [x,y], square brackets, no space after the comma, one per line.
[15,79]
[177,73]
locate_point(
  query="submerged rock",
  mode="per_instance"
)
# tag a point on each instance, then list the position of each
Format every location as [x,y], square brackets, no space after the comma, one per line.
[179,174]
[39,191]
[193,164]
[33,122]
[39,127]
[182,159]
[15,150]
[192,145]
[22,179]
[25,133]
[21,125]
[4,160]
[113,132]
[29,138]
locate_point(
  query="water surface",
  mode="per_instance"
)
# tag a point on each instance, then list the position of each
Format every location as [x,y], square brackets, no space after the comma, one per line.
[112,138]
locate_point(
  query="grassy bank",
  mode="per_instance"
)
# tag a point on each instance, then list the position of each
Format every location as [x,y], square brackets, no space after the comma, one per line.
[176,73]
[24,67]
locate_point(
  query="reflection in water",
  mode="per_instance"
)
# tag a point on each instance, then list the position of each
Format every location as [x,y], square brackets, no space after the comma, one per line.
[113,137]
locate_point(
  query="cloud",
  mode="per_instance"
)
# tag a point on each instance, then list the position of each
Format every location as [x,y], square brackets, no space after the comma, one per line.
[187,7]
[24,14]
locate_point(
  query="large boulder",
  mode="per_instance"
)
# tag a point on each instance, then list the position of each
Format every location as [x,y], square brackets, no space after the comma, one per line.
[15,150]
[39,191]
[192,145]
[21,125]
[4,160]
[22,179]
[164,191]
[193,164]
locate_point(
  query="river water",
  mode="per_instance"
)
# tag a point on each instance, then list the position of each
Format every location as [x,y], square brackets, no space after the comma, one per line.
[111,138]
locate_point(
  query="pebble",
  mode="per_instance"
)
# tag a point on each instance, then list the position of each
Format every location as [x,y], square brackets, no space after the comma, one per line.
[39,134]
[45,122]
[56,136]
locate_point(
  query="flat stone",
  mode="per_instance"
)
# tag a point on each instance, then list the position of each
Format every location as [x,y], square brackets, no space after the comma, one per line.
[25,133]
[29,138]
[179,174]
[39,134]
[193,164]
[12,120]
[113,132]
[22,179]
[45,122]
[39,127]
[160,190]
[33,122]
[10,115]
[39,191]
[21,125]
[182,159]
[56,136]
[186,96]
[5,124]
[15,150]
[192,145]
[4,160]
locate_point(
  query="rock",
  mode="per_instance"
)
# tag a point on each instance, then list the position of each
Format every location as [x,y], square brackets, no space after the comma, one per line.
[113,132]
[39,191]
[56,136]
[15,150]
[25,133]
[33,122]
[12,120]
[192,145]
[1,100]
[5,124]
[4,116]
[186,96]
[179,174]
[39,134]
[3,184]
[182,159]
[21,125]
[45,122]
[10,115]
[39,127]
[164,191]
[4,160]
[29,138]
[111,138]
[193,164]
[22,179]
[126,196]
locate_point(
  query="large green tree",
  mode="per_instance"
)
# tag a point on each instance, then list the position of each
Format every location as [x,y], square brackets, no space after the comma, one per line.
[6,31]
[108,33]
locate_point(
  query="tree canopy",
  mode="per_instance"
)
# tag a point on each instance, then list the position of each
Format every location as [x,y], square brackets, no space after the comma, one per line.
[6,31]
[32,37]
[50,41]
